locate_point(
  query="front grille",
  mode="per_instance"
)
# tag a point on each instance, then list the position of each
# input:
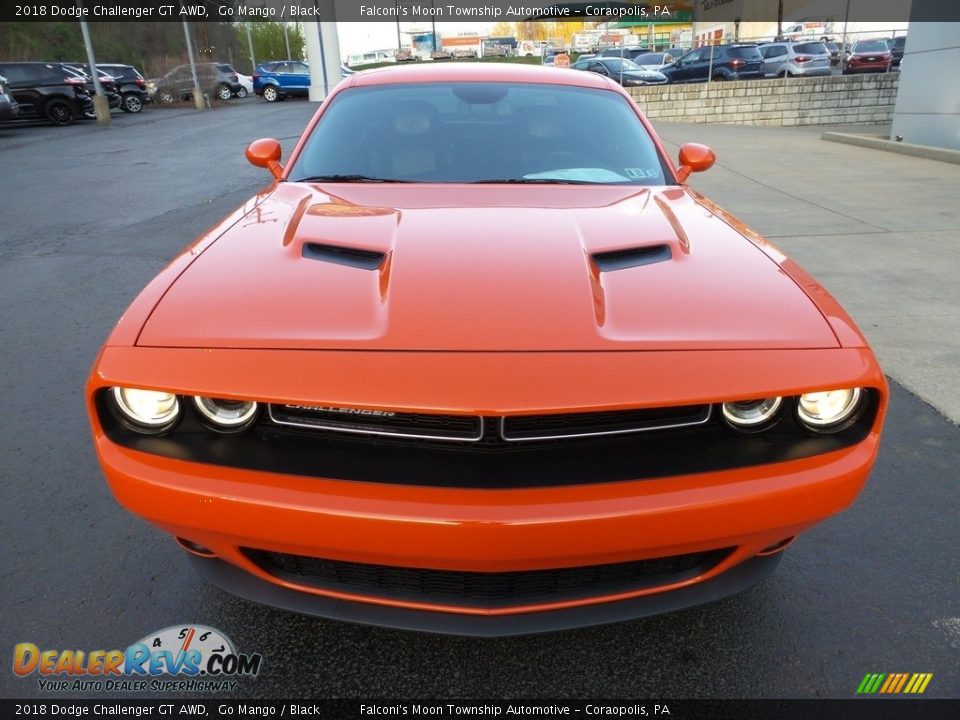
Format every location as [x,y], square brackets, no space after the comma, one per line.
[491,463]
[481,589]
[490,431]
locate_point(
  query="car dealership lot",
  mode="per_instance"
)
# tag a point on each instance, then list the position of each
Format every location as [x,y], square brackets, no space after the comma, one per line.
[90,215]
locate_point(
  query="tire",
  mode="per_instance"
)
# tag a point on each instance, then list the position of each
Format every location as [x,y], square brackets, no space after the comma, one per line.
[224,92]
[131,103]
[270,94]
[242,92]
[166,97]
[59,112]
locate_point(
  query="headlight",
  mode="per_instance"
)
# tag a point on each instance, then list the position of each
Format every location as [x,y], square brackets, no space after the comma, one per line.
[226,415]
[149,411]
[830,410]
[752,415]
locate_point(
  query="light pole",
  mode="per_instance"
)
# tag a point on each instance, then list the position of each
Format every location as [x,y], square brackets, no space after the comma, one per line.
[101,106]
[198,102]
[843,43]
[253,60]
[286,39]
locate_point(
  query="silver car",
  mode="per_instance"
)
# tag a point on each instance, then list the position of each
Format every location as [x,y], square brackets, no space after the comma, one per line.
[795,59]
[655,60]
[8,106]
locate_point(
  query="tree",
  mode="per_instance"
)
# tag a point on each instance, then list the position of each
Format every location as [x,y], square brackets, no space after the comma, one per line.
[504,29]
[268,40]
[561,32]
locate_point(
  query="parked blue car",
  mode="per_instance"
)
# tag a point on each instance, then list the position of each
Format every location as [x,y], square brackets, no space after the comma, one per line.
[280,79]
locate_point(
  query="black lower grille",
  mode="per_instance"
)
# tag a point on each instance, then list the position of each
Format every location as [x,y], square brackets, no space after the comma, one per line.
[481,589]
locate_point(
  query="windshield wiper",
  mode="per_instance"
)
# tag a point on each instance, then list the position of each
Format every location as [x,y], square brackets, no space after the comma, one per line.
[352,179]
[535,181]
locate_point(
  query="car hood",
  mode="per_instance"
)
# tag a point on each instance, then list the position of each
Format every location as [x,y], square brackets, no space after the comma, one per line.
[484,268]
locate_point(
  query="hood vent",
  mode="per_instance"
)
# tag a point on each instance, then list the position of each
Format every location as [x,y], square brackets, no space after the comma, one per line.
[351,257]
[631,257]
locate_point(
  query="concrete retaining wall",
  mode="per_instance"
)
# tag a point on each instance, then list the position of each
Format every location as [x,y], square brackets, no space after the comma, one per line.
[837,100]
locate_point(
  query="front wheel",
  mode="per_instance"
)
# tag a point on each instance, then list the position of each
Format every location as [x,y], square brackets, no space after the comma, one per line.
[59,112]
[224,92]
[166,97]
[131,103]
[242,92]
[270,94]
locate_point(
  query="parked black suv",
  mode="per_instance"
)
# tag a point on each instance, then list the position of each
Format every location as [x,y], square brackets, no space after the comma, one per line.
[730,62]
[106,83]
[47,90]
[127,82]
[897,45]
[833,48]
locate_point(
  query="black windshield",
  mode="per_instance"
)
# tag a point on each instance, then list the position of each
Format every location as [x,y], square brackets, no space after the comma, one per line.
[480,132]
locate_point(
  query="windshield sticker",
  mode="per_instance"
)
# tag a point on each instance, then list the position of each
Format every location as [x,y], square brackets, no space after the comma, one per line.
[639,173]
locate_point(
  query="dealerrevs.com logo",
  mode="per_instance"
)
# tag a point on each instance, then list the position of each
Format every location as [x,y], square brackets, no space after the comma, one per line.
[177,658]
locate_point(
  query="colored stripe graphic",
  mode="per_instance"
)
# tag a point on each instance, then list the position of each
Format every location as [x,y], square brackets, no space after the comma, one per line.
[870,683]
[894,683]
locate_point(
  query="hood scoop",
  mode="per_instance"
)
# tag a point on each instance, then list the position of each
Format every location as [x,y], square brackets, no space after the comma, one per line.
[631,257]
[338,255]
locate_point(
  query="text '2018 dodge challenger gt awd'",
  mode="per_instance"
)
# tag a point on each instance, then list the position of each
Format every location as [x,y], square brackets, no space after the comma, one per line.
[479,361]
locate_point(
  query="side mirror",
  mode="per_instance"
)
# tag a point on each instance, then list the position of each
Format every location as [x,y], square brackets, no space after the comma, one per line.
[694,158]
[265,153]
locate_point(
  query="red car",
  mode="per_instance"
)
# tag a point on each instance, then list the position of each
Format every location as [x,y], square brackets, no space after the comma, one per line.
[479,361]
[868,56]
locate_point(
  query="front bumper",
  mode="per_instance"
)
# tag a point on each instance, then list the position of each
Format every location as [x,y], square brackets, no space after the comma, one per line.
[230,510]
[801,71]
[9,109]
[878,67]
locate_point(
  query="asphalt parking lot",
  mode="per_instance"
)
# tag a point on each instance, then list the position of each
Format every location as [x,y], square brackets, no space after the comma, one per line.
[91,214]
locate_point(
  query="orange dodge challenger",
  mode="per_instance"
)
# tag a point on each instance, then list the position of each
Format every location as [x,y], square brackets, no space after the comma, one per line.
[478,361]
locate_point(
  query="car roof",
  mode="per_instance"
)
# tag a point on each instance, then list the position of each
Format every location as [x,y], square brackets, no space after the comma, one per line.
[34,62]
[477,72]
[793,42]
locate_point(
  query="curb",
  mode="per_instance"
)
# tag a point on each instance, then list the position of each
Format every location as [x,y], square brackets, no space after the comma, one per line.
[880,142]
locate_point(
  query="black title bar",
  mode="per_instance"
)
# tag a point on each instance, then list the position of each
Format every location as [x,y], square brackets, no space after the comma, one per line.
[684,11]
[853,709]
